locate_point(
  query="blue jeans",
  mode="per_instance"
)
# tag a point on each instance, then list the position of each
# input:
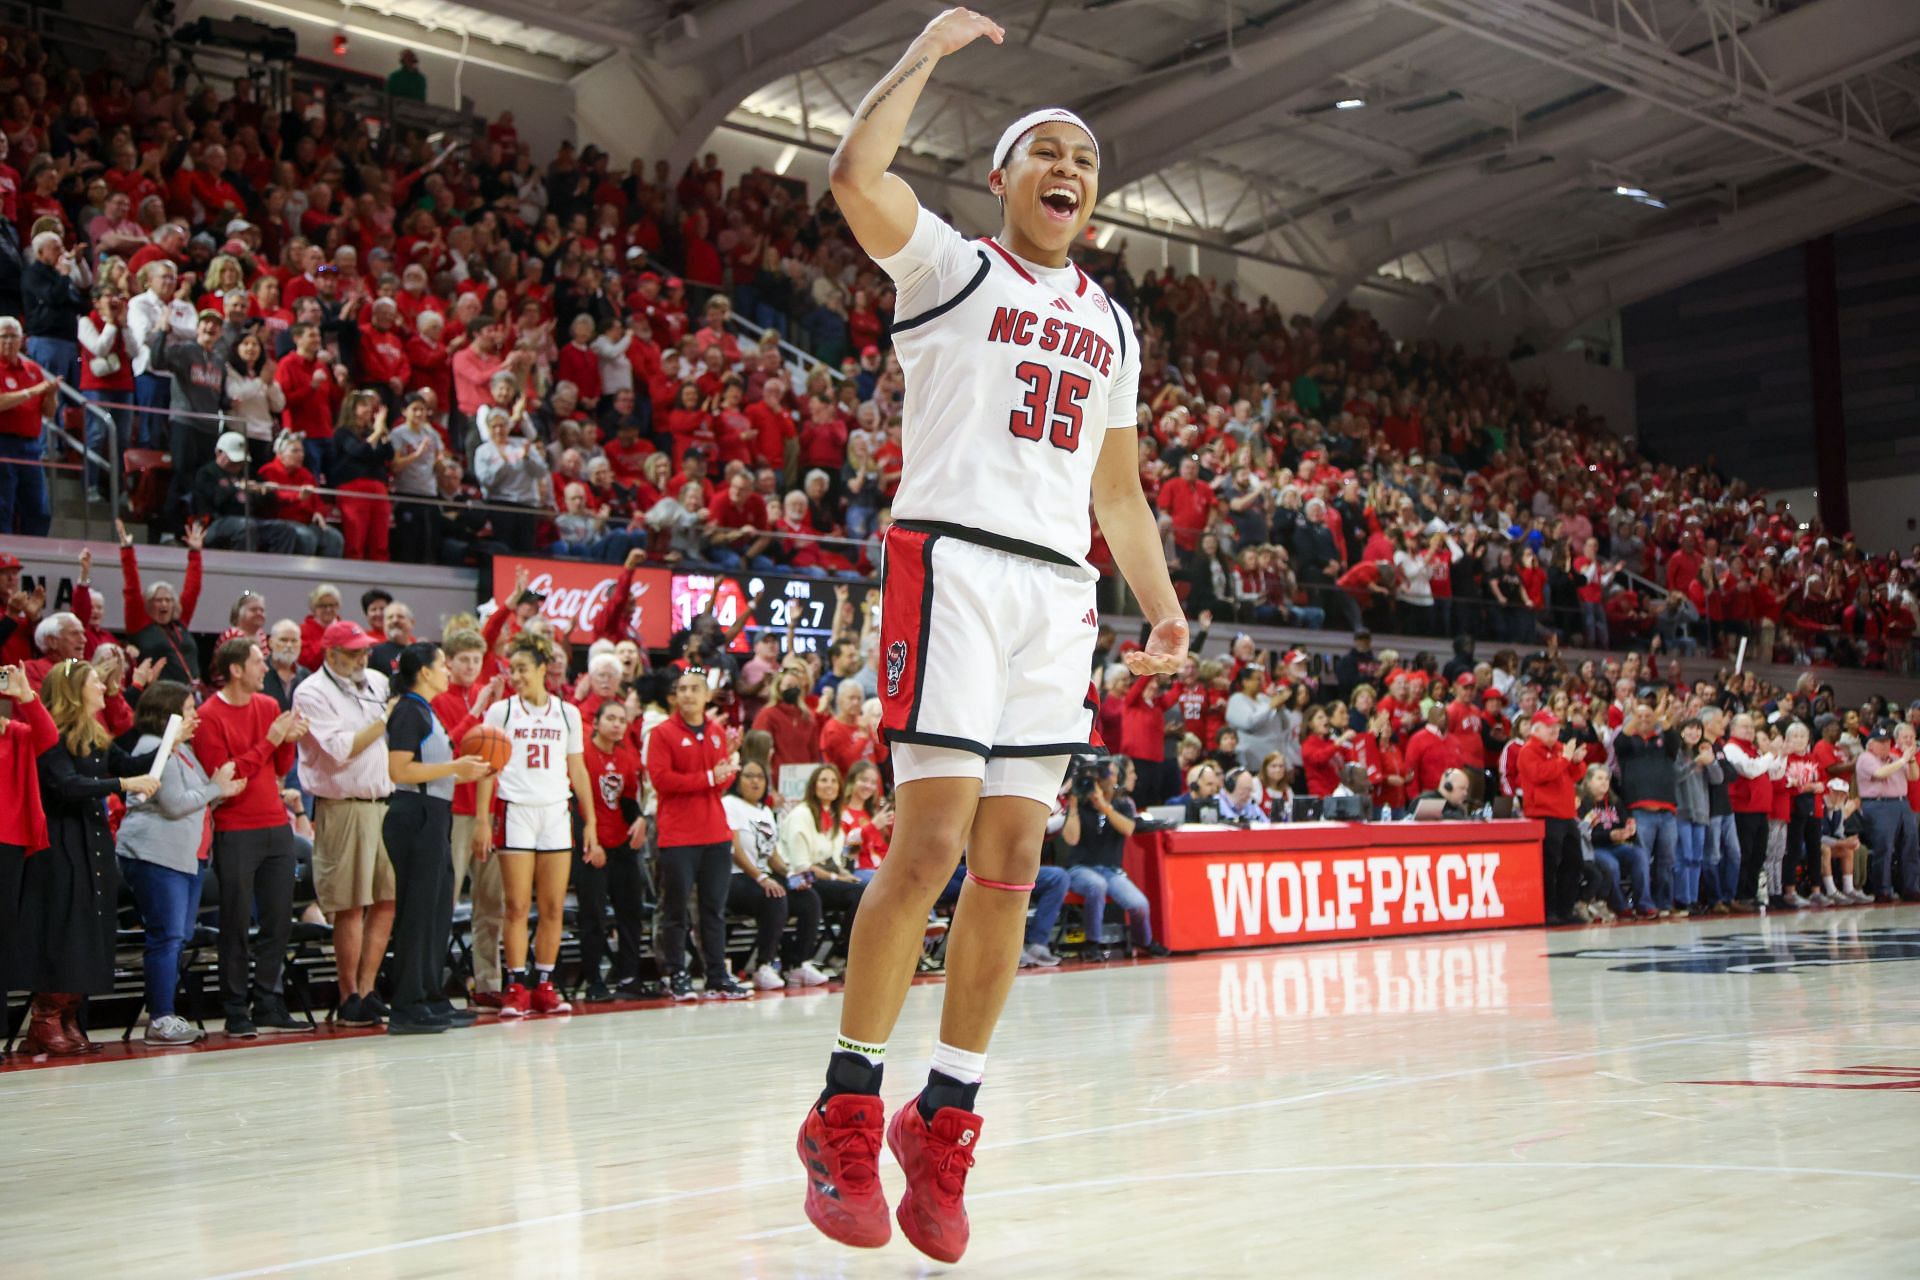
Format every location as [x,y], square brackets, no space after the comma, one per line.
[1096,884]
[1049,892]
[169,904]
[122,423]
[1593,621]
[1888,837]
[24,507]
[154,392]
[1693,859]
[1659,835]
[734,562]
[319,454]
[1630,868]
[58,356]
[1312,617]
[1723,854]
[1607,868]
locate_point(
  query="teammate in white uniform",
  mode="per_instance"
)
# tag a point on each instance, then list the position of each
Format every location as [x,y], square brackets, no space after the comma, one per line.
[530,823]
[1021,378]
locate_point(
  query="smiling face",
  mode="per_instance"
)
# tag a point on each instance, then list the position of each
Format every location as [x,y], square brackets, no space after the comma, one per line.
[1049,187]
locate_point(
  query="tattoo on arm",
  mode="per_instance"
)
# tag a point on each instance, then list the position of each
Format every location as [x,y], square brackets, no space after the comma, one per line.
[887,92]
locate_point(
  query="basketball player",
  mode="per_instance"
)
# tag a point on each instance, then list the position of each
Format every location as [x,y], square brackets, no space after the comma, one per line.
[531,825]
[1021,377]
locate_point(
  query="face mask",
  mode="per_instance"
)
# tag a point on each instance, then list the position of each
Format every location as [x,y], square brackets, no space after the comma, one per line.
[790,695]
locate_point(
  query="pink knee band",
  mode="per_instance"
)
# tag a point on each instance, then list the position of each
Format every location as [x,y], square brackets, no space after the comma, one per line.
[985,883]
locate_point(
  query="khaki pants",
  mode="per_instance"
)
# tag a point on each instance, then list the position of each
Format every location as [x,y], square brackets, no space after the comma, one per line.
[350,865]
[489,903]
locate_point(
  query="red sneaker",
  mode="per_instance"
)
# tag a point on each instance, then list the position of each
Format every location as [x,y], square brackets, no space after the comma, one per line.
[486,999]
[547,999]
[841,1152]
[515,1002]
[935,1158]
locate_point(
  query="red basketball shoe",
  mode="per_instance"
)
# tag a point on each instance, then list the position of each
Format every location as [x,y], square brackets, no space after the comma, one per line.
[486,999]
[936,1158]
[547,999]
[515,1002]
[841,1152]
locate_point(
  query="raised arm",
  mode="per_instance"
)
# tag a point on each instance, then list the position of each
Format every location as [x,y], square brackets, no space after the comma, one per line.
[879,206]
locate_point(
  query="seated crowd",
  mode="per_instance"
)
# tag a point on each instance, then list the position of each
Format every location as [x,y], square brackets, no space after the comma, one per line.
[432,355]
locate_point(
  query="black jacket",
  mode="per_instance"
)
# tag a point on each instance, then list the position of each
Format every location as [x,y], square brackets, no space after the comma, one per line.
[1313,549]
[54,304]
[1646,766]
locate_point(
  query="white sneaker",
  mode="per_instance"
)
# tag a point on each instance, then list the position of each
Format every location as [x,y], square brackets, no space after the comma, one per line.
[811,976]
[1859,897]
[172,1029]
[1583,913]
[1794,900]
[767,978]
[1038,957]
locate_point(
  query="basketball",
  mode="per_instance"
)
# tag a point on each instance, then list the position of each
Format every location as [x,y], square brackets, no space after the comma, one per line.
[489,743]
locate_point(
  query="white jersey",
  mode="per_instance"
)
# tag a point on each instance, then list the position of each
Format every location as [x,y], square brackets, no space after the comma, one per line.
[542,738]
[1014,374]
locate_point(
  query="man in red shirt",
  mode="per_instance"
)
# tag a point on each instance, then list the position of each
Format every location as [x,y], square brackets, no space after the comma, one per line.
[313,395]
[1548,771]
[383,354]
[691,762]
[252,840]
[613,774]
[842,741]
[27,393]
[1465,724]
[1430,753]
[773,422]
[739,539]
[1187,502]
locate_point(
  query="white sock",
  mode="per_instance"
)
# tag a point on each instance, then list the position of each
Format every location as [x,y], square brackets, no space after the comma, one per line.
[1826,884]
[967,1068]
[1846,882]
[875,1054]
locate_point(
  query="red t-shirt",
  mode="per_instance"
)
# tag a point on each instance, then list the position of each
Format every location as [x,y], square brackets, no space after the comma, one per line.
[23,420]
[613,775]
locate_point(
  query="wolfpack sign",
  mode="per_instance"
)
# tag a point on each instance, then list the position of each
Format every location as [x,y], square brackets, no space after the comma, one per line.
[1412,878]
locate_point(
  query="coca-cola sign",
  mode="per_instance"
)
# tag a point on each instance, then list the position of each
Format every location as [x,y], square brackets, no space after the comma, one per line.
[580,597]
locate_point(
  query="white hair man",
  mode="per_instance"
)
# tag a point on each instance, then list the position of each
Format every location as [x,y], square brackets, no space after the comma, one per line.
[27,394]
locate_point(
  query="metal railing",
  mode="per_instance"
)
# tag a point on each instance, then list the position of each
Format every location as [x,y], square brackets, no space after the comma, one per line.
[800,359]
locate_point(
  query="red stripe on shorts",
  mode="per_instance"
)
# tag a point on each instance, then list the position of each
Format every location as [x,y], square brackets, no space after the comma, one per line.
[906,611]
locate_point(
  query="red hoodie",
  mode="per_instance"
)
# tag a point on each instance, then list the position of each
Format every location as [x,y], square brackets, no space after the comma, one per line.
[239,734]
[24,737]
[1547,779]
[1143,724]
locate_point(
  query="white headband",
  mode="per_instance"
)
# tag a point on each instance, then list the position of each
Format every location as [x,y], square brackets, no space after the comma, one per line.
[1033,119]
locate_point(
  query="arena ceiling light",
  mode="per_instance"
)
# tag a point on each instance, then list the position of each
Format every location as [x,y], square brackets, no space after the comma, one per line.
[1349,104]
[1639,196]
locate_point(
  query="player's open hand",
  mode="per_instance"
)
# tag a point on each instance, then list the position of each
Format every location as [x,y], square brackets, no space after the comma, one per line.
[1165,652]
[957,28]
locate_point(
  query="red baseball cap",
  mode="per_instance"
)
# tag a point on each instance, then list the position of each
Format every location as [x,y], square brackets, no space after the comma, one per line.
[1464,680]
[869,350]
[8,560]
[1292,657]
[1493,694]
[346,635]
[1547,718]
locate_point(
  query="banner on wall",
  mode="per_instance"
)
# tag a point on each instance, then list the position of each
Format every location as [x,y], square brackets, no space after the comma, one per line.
[580,597]
[1422,878]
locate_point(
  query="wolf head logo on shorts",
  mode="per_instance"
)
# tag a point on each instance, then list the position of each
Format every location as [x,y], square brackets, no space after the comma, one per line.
[896,666]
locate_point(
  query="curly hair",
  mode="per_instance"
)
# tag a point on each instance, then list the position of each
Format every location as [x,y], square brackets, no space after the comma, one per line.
[534,645]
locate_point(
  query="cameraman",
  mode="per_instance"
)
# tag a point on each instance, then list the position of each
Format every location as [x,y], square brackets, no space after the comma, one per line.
[1099,820]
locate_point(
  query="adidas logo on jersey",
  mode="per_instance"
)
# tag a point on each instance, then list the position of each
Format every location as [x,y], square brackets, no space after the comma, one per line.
[1092,619]
[1062,304]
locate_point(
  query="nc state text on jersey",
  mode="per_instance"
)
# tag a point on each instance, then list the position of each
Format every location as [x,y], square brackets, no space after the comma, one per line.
[1075,342]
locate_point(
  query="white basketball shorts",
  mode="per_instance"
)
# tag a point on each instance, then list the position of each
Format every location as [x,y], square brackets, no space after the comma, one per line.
[986,652]
[533,828]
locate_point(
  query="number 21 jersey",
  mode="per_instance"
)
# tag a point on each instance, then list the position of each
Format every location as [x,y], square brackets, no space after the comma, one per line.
[1014,373]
